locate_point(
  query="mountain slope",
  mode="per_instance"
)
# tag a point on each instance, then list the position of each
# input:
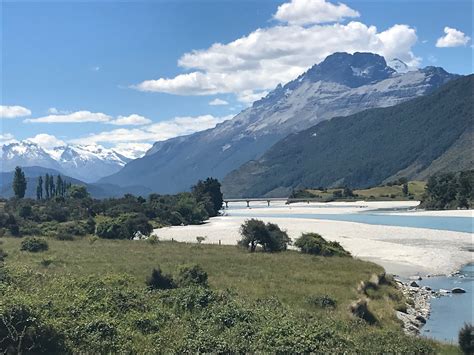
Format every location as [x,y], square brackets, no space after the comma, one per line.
[87,163]
[96,190]
[340,85]
[412,139]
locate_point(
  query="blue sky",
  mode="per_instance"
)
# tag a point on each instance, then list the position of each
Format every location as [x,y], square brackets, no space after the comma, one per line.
[117,73]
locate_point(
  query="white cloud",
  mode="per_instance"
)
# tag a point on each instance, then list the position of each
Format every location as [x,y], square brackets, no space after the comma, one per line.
[7,138]
[160,131]
[74,117]
[46,141]
[305,12]
[132,120]
[266,57]
[452,38]
[13,111]
[55,111]
[218,102]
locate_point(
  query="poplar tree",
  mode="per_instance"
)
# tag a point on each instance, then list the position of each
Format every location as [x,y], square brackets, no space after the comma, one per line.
[19,183]
[39,189]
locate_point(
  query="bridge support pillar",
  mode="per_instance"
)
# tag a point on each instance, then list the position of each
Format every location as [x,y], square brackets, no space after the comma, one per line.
[226,204]
[248,203]
[268,203]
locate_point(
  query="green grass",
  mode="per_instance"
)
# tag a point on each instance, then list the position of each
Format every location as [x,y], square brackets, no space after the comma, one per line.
[291,276]
[58,278]
[378,193]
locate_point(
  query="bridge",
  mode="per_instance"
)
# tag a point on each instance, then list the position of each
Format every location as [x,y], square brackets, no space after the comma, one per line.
[268,200]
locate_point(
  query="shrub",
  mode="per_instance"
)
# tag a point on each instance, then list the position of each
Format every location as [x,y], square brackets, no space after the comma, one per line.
[21,331]
[153,239]
[64,236]
[3,255]
[313,243]
[159,281]
[321,301]
[124,226]
[255,232]
[34,245]
[191,275]
[466,339]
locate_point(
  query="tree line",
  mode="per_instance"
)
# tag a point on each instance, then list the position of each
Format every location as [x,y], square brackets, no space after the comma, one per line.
[50,185]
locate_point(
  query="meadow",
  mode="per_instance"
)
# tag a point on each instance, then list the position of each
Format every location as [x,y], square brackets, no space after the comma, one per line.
[91,295]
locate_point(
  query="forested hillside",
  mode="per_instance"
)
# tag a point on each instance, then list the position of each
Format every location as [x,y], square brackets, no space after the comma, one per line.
[413,139]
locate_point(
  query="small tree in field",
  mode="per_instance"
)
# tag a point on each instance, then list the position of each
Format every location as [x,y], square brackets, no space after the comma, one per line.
[269,236]
[19,183]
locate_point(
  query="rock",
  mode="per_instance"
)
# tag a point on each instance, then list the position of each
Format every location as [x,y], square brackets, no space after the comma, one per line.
[442,290]
[414,284]
[421,319]
[458,290]
[427,288]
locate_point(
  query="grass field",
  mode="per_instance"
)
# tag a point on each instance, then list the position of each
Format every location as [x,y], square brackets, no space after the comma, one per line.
[53,279]
[378,193]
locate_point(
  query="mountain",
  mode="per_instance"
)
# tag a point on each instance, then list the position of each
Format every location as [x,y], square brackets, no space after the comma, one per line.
[85,162]
[339,86]
[96,190]
[414,139]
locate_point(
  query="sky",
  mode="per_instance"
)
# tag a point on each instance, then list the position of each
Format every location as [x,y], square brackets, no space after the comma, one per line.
[124,74]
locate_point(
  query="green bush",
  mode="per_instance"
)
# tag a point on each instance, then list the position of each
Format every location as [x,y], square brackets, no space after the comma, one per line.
[159,281]
[34,245]
[313,243]
[21,331]
[123,227]
[269,236]
[191,275]
[466,339]
[321,301]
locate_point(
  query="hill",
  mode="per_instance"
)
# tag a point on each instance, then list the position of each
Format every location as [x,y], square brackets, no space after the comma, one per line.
[413,139]
[340,85]
[96,190]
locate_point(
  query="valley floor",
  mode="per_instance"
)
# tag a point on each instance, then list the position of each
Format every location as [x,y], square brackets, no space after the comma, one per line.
[403,251]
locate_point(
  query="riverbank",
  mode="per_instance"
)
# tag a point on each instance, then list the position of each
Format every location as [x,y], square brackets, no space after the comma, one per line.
[400,250]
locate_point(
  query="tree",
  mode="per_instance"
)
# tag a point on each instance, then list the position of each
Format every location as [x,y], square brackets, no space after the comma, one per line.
[39,189]
[466,339]
[46,186]
[255,232]
[405,189]
[19,183]
[59,186]
[209,192]
[159,281]
[78,192]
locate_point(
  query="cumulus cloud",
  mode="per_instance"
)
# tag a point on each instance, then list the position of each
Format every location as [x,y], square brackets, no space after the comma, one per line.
[87,116]
[13,111]
[7,138]
[305,12]
[132,120]
[46,141]
[74,117]
[218,102]
[257,62]
[55,111]
[160,131]
[452,38]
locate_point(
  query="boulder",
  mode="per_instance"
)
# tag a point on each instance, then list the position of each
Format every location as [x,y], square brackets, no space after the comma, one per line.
[458,290]
[421,319]
[414,284]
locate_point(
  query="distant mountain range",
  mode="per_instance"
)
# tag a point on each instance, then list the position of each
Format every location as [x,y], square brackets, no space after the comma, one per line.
[96,190]
[341,85]
[84,162]
[413,139]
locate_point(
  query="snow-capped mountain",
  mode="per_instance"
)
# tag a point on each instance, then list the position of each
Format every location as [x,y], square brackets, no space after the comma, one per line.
[398,65]
[341,85]
[84,162]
